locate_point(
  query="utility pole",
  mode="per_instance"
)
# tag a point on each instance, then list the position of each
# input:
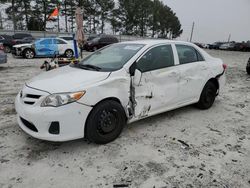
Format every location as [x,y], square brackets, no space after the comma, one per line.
[58,17]
[192,32]
[229,38]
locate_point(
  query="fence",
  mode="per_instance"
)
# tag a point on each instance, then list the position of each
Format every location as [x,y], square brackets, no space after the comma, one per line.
[40,34]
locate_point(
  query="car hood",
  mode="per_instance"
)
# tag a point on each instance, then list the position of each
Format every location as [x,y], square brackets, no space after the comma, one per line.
[22,45]
[66,79]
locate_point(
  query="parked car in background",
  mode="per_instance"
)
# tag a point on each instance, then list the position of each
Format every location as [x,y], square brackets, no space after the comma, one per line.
[45,47]
[122,83]
[215,45]
[19,36]
[3,55]
[7,42]
[199,44]
[100,42]
[92,36]
[227,46]
[248,67]
[26,40]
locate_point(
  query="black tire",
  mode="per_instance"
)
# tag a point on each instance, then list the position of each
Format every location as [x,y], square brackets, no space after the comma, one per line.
[248,70]
[69,53]
[105,122]
[208,96]
[47,67]
[7,49]
[29,54]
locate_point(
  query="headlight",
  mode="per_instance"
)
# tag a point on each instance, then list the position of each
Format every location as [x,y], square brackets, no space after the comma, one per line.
[56,100]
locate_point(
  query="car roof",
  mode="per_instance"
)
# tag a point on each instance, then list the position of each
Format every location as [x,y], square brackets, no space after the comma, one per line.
[152,42]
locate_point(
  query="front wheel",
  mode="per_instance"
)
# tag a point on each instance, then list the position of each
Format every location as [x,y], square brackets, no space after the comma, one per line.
[105,122]
[248,70]
[29,54]
[208,96]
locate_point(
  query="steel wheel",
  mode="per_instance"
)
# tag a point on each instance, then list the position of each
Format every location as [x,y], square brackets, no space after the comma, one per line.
[105,122]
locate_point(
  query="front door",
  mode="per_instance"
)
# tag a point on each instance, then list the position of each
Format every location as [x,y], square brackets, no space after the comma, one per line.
[45,48]
[157,90]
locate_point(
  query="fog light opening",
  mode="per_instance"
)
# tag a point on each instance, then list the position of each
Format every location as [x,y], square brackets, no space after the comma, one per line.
[54,128]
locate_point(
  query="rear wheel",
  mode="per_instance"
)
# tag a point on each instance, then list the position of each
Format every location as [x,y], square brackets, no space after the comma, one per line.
[7,49]
[29,54]
[105,122]
[69,53]
[208,96]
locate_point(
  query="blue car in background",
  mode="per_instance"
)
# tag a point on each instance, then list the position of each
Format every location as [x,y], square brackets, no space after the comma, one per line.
[45,47]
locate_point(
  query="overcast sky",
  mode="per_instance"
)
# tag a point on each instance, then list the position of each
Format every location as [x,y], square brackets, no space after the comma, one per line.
[214,19]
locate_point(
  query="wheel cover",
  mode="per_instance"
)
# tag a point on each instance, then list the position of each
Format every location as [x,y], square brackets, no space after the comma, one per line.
[69,54]
[107,122]
[29,54]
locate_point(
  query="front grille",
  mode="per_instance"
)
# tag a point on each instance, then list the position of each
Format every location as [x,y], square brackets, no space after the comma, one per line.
[33,96]
[29,103]
[29,99]
[29,125]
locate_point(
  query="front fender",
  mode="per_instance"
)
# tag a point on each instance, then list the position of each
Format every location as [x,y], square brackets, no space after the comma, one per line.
[118,87]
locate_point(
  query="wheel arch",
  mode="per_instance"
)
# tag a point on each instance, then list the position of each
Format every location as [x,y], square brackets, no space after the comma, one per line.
[28,48]
[104,100]
[215,82]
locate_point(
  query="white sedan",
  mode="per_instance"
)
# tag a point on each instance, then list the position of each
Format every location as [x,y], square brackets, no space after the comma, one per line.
[118,84]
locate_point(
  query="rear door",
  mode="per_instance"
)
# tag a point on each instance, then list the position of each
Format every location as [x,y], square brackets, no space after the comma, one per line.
[61,46]
[158,88]
[193,73]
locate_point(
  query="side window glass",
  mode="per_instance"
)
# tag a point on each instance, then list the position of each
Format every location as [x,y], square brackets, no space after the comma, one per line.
[200,58]
[156,58]
[187,54]
[57,41]
[46,42]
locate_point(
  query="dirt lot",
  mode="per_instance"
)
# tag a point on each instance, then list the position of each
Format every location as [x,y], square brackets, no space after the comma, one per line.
[148,154]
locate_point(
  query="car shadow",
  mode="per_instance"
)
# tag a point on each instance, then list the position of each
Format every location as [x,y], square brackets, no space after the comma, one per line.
[39,147]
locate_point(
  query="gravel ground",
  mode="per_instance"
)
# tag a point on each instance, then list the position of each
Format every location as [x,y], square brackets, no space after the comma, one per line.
[182,148]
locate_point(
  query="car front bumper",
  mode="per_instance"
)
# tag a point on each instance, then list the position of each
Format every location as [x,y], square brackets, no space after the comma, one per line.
[37,121]
[16,52]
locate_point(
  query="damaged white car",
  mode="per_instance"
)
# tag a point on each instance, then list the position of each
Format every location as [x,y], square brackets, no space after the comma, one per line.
[118,84]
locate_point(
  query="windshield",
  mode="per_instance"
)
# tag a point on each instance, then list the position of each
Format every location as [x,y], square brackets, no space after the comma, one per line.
[110,58]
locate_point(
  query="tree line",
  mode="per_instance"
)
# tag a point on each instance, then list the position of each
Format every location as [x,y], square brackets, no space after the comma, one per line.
[131,17]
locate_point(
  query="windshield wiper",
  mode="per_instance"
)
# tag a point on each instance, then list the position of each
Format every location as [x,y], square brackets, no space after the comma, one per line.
[87,66]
